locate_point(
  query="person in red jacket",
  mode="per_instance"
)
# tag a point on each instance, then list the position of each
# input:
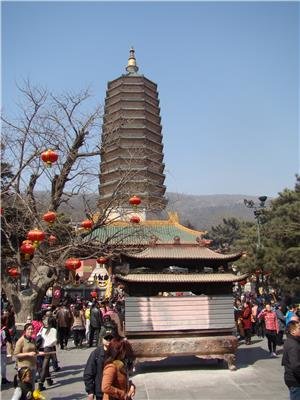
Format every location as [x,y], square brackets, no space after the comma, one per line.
[247,321]
[272,327]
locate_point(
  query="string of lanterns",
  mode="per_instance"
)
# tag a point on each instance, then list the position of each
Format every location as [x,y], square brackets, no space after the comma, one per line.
[36,236]
[135,201]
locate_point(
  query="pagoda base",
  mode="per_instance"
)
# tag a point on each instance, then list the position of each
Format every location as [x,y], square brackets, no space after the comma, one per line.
[211,347]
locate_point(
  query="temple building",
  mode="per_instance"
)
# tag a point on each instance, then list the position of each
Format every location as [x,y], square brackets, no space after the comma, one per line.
[131,148]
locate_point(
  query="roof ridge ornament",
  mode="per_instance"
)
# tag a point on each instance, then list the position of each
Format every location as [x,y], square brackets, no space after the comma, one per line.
[131,65]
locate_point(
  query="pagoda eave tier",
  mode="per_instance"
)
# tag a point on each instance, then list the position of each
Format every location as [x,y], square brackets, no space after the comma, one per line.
[181,278]
[182,255]
[197,284]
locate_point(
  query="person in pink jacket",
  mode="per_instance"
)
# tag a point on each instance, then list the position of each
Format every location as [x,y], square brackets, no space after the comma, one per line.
[272,327]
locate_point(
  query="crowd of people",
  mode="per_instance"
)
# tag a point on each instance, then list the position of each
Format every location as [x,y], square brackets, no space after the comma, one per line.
[273,318]
[263,317]
[87,323]
[100,324]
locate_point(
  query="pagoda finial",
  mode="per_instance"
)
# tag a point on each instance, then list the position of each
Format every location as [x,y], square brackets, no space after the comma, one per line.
[131,65]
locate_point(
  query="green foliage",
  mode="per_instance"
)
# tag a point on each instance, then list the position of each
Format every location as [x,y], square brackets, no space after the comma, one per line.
[226,236]
[279,252]
[283,245]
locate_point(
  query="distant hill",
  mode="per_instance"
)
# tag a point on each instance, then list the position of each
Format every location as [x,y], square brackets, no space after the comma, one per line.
[203,212]
[200,212]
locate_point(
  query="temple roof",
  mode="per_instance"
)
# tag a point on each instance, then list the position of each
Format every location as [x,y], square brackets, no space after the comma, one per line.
[180,251]
[163,231]
[183,278]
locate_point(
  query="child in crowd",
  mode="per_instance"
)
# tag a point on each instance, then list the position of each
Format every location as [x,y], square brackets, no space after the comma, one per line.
[23,385]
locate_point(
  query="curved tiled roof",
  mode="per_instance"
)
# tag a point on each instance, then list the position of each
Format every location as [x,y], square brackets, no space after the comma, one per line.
[140,234]
[181,251]
[184,278]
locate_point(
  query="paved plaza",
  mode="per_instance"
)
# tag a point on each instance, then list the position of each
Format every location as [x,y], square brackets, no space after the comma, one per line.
[258,377]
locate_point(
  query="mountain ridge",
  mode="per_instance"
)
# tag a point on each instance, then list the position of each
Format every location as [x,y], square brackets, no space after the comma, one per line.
[200,212]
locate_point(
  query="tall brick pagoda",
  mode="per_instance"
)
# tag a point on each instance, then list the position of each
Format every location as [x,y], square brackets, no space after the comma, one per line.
[132,149]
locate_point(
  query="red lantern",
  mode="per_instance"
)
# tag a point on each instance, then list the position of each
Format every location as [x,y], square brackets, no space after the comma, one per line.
[49,157]
[57,293]
[87,224]
[135,201]
[49,217]
[13,272]
[94,294]
[102,260]
[36,236]
[72,264]
[135,219]
[243,283]
[28,249]
[52,239]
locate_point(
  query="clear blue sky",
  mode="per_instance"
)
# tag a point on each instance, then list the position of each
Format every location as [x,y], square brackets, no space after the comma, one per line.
[227,75]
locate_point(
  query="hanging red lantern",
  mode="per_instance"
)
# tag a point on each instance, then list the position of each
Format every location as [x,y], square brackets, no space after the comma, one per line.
[135,219]
[14,272]
[72,264]
[135,201]
[243,283]
[94,294]
[87,224]
[52,239]
[36,236]
[57,293]
[49,217]
[102,260]
[28,249]
[49,157]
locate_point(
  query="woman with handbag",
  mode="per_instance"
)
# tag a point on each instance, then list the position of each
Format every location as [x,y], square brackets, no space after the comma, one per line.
[115,378]
[26,351]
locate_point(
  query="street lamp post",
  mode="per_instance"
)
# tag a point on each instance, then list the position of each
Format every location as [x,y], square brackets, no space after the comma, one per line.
[258,212]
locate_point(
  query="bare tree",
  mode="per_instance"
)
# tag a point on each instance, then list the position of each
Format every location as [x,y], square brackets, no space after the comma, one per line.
[63,124]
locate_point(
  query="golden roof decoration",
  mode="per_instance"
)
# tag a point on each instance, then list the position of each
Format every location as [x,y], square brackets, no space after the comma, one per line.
[131,65]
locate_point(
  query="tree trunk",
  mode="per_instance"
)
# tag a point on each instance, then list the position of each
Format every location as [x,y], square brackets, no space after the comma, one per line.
[27,302]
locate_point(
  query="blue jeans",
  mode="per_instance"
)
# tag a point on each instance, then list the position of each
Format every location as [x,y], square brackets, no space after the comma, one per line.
[294,393]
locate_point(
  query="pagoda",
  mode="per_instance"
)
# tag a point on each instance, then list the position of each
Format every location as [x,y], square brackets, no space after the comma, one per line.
[131,148]
[159,257]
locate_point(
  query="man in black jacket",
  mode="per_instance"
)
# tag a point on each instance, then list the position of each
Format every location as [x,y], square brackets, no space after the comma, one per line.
[291,359]
[92,375]
[96,321]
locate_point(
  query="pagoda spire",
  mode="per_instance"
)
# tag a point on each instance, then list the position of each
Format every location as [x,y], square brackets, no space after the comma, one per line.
[131,65]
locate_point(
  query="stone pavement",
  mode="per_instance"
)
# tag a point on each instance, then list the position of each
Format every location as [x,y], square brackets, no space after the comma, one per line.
[258,377]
